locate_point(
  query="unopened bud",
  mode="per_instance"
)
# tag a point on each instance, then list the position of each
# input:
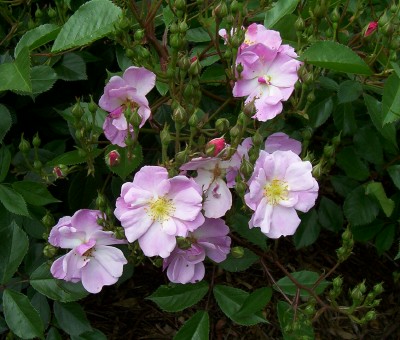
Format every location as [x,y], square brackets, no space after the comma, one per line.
[222,125]
[299,24]
[92,106]
[195,68]
[139,35]
[383,20]
[113,158]
[257,139]
[329,150]
[237,252]
[38,12]
[180,4]
[335,15]
[36,141]
[24,145]
[249,109]
[181,157]
[37,164]
[217,145]
[49,251]
[183,27]
[370,315]
[221,10]
[51,13]
[101,201]
[48,220]
[234,132]
[165,136]
[183,242]
[179,114]
[240,187]
[77,110]
[235,6]
[378,289]
[336,140]
[246,168]
[239,69]
[371,28]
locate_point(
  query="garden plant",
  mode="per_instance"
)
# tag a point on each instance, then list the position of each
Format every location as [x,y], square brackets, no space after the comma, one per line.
[199,169]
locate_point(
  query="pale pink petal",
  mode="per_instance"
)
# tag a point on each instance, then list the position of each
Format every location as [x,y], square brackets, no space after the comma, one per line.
[143,79]
[284,222]
[281,141]
[218,199]
[155,242]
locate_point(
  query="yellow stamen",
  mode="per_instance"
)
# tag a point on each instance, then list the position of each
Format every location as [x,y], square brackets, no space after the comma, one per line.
[276,191]
[161,209]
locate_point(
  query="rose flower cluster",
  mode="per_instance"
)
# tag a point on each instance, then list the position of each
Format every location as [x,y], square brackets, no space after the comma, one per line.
[181,218]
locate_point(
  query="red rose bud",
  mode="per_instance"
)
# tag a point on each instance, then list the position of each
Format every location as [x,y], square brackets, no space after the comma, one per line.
[58,172]
[193,59]
[372,27]
[218,144]
[112,158]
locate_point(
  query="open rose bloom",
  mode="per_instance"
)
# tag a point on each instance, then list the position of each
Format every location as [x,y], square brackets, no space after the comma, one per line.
[211,240]
[281,184]
[121,93]
[91,259]
[269,71]
[154,209]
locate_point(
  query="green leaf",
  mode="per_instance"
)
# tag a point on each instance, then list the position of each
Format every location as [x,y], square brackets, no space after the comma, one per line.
[328,83]
[359,208]
[350,162]
[15,76]
[43,78]
[168,16]
[334,56]
[71,318]
[305,278]
[394,173]
[13,247]
[286,319]
[5,161]
[95,334]
[20,315]
[13,201]
[71,158]
[198,34]
[385,238]
[5,121]
[368,145]
[366,232]
[375,111]
[40,303]
[196,328]
[278,11]
[320,111]
[255,302]
[376,190]
[37,37]
[343,185]
[349,91]
[308,230]
[232,264]
[175,298]
[126,164]
[92,21]
[391,99]
[330,215]
[213,75]
[240,224]
[71,67]
[53,334]
[60,290]
[344,119]
[231,300]
[162,88]
[34,193]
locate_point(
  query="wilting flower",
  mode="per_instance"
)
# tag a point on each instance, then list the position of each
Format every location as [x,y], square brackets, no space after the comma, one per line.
[269,72]
[122,93]
[372,27]
[154,209]
[211,240]
[91,259]
[281,184]
[210,174]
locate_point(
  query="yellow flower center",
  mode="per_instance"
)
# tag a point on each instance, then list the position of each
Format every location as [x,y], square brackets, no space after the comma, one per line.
[161,209]
[276,191]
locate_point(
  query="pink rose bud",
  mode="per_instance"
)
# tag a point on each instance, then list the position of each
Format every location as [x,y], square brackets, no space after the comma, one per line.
[193,59]
[372,27]
[60,171]
[218,143]
[112,158]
